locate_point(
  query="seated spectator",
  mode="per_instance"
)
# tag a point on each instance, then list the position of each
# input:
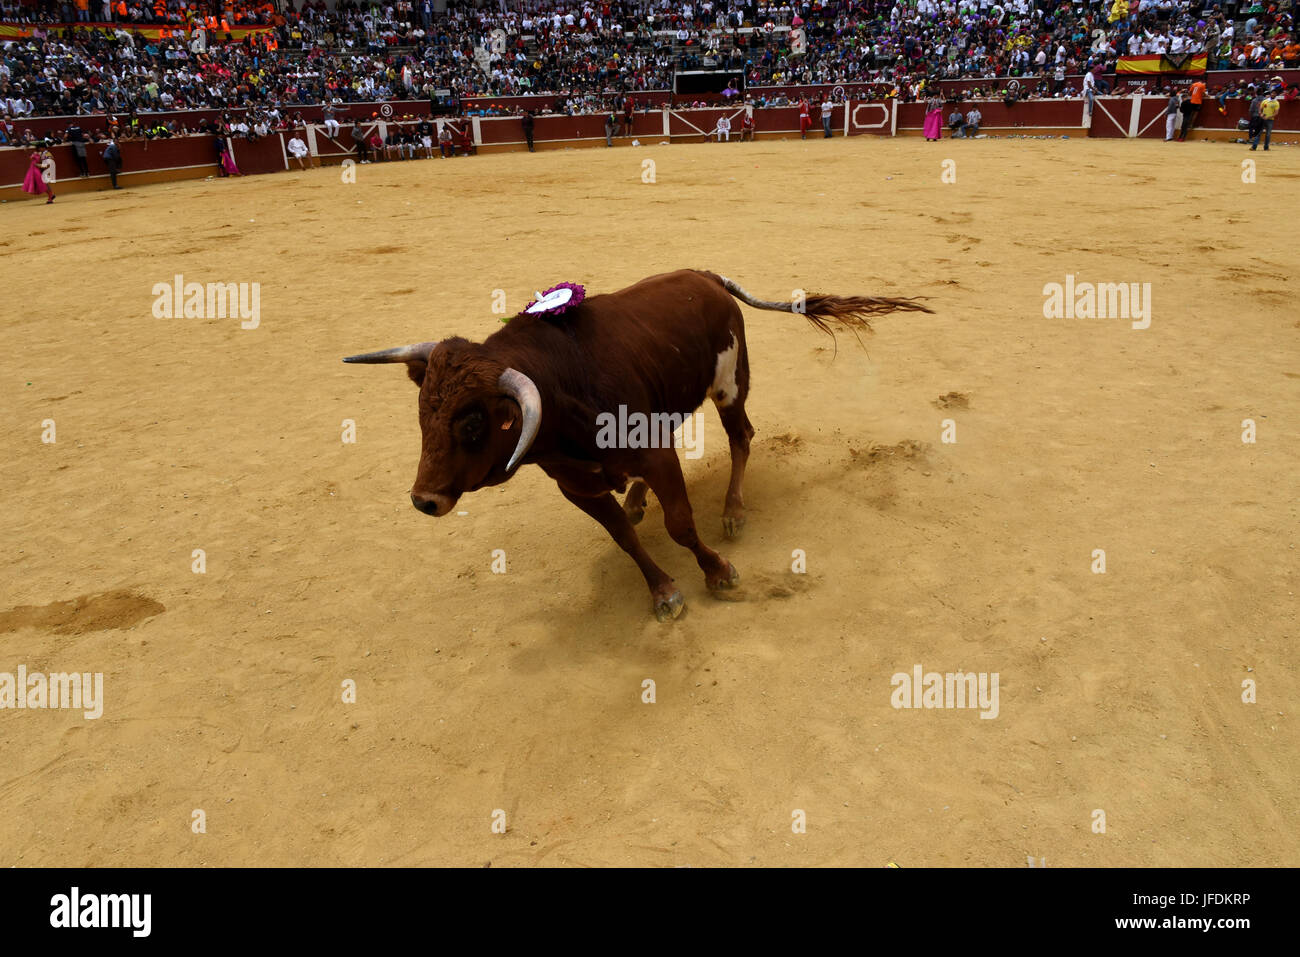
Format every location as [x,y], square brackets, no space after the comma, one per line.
[298,149]
[393,144]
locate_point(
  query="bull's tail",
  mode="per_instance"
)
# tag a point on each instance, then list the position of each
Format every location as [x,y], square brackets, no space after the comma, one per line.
[828,312]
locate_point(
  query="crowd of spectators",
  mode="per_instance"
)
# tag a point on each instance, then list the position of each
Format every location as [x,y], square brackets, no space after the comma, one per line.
[590,52]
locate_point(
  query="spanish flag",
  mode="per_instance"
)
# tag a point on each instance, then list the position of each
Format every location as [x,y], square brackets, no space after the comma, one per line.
[1163,64]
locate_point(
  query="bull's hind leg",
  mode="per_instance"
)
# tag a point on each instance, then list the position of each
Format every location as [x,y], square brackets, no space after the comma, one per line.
[605,509]
[634,503]
[739,432]
[664,473]
[730,389]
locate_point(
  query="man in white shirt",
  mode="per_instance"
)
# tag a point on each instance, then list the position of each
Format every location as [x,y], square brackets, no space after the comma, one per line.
[298,149]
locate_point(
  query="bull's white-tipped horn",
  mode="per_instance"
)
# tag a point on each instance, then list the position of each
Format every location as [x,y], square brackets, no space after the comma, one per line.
[419,352]
[524,391]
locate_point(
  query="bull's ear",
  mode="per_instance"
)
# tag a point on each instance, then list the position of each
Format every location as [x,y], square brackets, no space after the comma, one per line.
[415,356]
[416,371]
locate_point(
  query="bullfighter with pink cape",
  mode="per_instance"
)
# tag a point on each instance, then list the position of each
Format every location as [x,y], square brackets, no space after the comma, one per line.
[42,164]
[225,159]
[933,119]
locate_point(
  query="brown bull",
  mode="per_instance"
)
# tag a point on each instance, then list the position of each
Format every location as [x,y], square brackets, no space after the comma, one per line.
[536,391]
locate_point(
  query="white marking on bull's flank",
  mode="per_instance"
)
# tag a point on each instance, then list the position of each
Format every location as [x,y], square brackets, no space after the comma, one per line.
[724,390]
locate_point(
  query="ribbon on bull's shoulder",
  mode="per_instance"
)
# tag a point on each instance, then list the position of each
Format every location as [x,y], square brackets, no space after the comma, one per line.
[554,302]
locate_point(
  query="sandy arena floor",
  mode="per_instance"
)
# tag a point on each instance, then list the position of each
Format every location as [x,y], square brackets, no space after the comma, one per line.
[523,692]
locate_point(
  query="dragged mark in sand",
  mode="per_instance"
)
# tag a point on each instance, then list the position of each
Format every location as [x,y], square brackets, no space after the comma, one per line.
[110,609]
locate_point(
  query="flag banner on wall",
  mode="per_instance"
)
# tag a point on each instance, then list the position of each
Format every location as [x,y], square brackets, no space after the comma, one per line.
[1181,64]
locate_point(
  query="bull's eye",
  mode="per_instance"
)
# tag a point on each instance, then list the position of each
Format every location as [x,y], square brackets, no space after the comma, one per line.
[470,429]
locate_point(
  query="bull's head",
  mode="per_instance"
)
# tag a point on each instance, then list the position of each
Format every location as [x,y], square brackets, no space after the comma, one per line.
[478,419]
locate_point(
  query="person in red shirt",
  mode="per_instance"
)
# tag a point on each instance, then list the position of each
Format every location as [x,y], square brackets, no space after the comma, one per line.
[805,118]
[465,140]
[747,126]
[1192,109]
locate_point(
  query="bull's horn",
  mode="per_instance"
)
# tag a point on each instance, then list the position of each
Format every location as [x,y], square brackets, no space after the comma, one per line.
[416,353]
[524,391]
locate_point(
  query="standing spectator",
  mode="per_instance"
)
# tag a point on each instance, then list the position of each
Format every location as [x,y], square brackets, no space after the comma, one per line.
[77,138]
[40,175]
[805,118]
[826,117]
[1089,89]
[1267,112]
[112,157]
[1172,110]
[424,134]
[611,120]
[1192,107]
[526,121]
[298,149]
[466,139]
[1256,120]
[359,143]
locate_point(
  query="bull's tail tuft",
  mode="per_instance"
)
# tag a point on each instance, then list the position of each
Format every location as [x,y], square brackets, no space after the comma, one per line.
[828,312]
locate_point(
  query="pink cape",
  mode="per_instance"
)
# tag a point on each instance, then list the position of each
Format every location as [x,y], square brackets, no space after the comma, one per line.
[934,124]
[34,183]
[228,162]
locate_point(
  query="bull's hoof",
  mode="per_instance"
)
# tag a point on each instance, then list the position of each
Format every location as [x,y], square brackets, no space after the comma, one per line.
[634,515]
[666,609]
[728,582]
[732,525]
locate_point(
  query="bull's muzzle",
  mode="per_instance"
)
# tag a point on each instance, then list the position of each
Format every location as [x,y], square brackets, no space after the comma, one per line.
[435,504]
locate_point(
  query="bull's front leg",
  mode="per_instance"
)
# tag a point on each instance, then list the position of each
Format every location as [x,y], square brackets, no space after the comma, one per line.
[663,472]
[605,509]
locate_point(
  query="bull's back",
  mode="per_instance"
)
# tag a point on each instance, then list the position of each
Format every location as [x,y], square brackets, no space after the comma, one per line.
[658,340]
